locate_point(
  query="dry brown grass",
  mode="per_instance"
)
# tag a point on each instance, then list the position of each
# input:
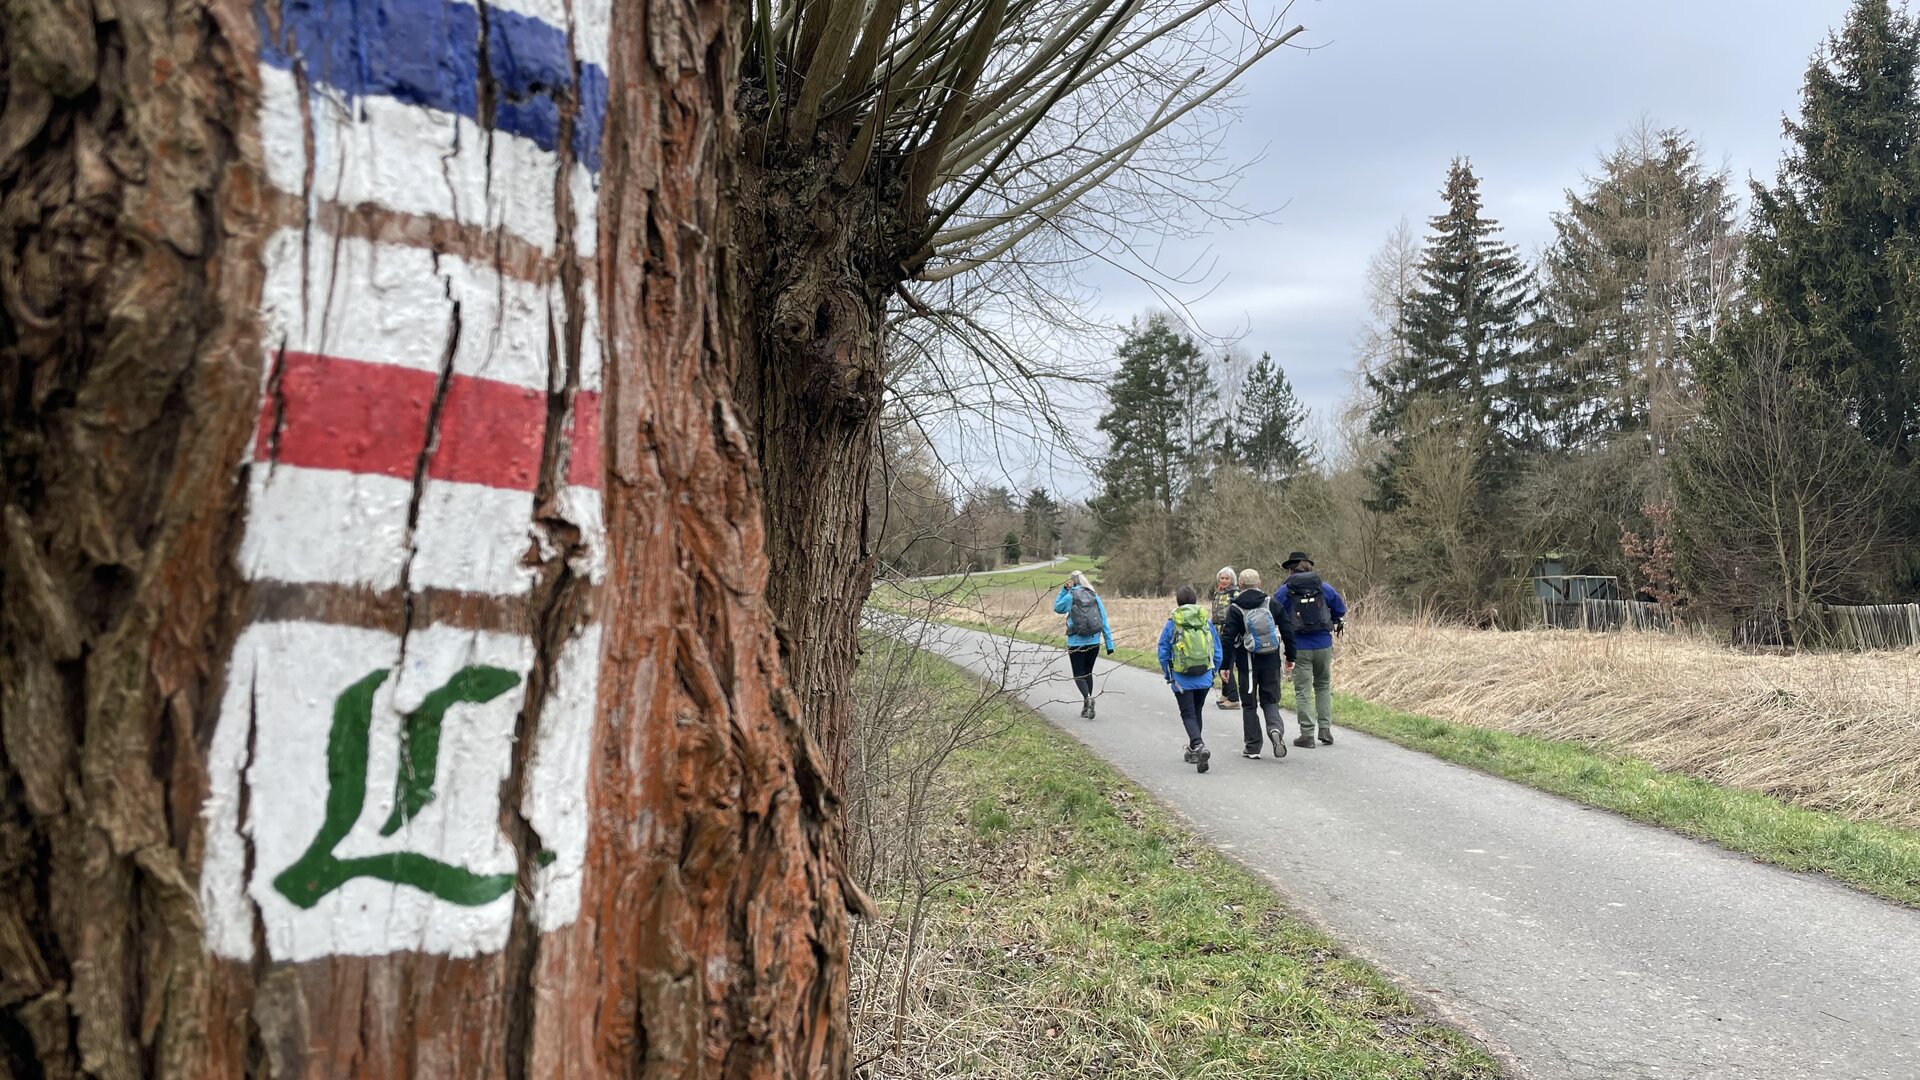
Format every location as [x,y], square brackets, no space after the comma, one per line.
[1837,732]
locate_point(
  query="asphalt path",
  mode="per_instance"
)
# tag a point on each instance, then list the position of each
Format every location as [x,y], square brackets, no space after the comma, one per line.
[1571,941]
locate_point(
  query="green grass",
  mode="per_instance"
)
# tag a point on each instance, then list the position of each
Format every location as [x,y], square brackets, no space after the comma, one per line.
[963,588]
[1110,941]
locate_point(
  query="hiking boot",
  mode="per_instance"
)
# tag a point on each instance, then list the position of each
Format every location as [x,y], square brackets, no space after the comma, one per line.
[1086,708]
[1304,740]
[1250,755]
[1326,736]
[1278,739]
[1193,755]
[1229,703]
[1089,708]
[1200,756]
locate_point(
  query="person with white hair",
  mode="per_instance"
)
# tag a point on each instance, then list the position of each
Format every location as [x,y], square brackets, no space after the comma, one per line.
[1226,586]
[1087,629]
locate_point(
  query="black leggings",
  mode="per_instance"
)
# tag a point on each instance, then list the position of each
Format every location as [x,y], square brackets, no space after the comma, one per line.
[1193,711]
[1081,658]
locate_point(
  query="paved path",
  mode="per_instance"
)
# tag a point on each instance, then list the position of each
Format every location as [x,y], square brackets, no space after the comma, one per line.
[1574,942]
[1055,561]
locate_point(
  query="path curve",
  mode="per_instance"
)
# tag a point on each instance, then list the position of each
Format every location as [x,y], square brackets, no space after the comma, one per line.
[1576,943]
[1055,561]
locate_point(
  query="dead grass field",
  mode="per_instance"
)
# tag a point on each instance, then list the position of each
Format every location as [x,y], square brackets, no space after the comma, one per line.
[1836,732]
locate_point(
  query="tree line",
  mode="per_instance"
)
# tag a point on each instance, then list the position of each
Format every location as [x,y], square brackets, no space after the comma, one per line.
[1718,408]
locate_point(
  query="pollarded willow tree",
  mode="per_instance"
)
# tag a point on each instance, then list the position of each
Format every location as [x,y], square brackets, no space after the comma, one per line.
[890,144]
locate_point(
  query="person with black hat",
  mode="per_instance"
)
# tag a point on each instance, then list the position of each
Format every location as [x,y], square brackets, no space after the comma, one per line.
[1315,612]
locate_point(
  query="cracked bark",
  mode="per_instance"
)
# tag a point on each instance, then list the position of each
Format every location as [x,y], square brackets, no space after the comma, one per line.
[133,210]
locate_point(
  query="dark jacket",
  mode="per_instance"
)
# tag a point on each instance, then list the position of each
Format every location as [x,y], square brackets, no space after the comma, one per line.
[1249,600]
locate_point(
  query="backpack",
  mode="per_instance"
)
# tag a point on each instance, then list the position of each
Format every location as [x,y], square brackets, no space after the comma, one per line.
[1262,636]
[1083,618]
[1192,641]
[1309,605]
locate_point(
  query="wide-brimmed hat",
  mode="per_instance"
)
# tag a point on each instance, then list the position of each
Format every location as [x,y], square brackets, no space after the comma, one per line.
[1296,559]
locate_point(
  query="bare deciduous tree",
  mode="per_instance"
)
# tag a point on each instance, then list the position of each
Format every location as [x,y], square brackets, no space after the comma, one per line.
[890,142]
[1780,504]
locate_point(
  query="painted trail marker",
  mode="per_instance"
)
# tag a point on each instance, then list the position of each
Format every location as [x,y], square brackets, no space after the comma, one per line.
[427,461]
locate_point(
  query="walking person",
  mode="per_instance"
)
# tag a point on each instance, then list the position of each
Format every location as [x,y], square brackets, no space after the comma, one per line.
[1087,629]
[1225,588]
[1189,655]
[1315,612]
[1263,639]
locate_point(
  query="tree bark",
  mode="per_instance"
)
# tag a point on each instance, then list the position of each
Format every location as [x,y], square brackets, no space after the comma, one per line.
[818,258]
[342,732]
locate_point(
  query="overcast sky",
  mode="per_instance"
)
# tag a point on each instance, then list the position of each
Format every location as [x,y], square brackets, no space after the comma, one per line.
[1357,134]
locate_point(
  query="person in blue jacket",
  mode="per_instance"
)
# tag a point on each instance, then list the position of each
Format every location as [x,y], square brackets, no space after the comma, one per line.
[1315,613]
[1087,629]
[1189,655]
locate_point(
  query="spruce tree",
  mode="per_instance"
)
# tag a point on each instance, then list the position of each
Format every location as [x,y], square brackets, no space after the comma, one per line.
[1834,247]
[1466,331]
[1161,419]
[1641,270]
[1040,522]
[1270,424]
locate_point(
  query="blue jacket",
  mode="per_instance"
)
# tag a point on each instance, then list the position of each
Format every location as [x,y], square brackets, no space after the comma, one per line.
[1336,607]
[1064,603]
[1187,682]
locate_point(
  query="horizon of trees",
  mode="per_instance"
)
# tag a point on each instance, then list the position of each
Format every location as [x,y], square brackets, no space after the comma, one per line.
[1740,391]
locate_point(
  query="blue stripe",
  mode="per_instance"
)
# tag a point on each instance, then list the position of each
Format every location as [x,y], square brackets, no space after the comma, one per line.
[427,53]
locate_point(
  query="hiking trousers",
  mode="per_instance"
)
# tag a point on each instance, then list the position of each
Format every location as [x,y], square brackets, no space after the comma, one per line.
[1259,693]
[1313,689]
[1193,709]
[1080,658]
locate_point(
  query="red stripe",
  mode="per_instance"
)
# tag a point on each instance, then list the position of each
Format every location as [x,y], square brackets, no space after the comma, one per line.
[490,434]
[583,469]
[350,415]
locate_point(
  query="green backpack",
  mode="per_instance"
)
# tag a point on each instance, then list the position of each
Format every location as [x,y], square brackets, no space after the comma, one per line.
[1192,641]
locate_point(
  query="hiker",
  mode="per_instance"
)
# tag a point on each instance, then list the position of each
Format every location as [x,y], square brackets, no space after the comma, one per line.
[1264,640]
[1189,655]
[1315,613]
[1087,628]
[1225,588]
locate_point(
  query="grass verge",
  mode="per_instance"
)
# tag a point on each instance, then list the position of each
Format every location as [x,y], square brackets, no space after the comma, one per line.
[1879,859]
[966,588]
[1082,931]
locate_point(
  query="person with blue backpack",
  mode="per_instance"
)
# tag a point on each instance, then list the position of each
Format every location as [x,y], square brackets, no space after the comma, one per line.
[1087,629]
[1265,640]
[1315,612]
[1189,655]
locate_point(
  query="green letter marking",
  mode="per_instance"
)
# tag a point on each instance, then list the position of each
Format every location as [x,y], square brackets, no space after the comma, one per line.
[318,872]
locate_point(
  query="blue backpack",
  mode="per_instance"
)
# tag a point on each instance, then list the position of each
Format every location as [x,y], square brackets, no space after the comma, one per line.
[1262,635]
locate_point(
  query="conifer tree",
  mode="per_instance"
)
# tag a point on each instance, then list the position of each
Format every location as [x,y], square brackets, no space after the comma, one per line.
[1643,267]
[1270,424]
[1467,326]
[1040,522]
[1161,419]
[1836,242]
[1162,427]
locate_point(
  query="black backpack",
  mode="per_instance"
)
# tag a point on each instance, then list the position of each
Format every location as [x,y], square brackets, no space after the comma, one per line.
[1083,617]
[1310,614]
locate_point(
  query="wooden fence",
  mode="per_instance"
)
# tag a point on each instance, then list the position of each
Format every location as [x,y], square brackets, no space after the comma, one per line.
[1602,615]
[1877,626]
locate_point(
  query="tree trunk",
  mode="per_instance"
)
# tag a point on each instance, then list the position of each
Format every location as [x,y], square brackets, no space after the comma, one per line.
[818,257]
[308,764]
